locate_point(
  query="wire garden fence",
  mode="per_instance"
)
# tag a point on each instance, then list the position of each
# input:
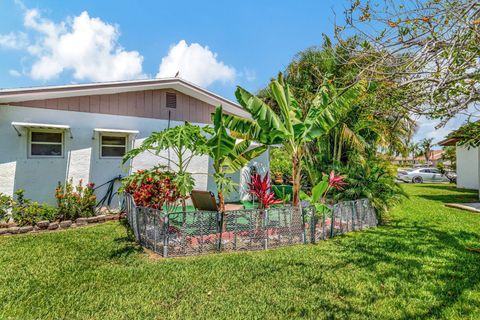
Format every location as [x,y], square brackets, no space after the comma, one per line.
[202,232]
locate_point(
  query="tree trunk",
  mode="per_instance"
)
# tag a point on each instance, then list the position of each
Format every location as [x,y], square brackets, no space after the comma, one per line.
[296,177]
[221,202]
[184,205]
[221,209]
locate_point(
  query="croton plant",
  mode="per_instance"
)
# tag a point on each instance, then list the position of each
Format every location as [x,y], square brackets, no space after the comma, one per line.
[152,188]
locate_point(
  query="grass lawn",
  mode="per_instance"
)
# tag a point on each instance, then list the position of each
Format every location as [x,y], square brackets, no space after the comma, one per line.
[416,266]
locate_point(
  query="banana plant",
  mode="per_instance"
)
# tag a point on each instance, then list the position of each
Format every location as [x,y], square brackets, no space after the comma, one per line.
[228,156]
[293,127]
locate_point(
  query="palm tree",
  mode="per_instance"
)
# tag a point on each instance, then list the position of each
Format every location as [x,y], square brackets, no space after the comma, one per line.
[413,149]
[426,145]
[297,125]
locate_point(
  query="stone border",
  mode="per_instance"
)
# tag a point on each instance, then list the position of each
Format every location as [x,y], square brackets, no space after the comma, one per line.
[45,226]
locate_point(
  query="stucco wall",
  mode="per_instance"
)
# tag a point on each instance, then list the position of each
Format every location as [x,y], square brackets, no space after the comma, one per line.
[467,168]
[81,160]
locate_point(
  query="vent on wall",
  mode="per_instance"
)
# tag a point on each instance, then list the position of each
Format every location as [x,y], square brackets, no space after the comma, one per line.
[171,100]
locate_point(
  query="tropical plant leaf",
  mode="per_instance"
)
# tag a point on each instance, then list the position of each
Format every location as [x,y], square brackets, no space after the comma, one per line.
[319,189]
[261,112]
[221,144]
[327,111]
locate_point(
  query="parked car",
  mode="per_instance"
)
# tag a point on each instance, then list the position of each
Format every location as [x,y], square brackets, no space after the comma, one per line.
[420,175]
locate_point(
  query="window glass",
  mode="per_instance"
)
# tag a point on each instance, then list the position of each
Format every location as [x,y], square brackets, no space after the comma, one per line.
[113,146]
[46,144]
[46,137]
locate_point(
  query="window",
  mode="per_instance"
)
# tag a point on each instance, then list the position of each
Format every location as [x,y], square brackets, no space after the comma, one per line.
[44,143]
[113,146]
[171,100]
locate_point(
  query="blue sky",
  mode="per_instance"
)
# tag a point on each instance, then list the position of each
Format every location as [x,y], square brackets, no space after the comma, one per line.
[255,38]
[217,44]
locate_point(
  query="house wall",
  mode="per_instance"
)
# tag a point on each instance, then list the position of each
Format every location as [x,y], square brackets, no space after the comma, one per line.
[81,160]
[468,168]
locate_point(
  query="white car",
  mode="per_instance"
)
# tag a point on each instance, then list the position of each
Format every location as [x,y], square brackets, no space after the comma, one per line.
[420,175]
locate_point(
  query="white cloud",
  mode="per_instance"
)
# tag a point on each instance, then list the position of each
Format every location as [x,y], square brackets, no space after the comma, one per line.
[195,63]
[88,47]
[13,40]
[14,73]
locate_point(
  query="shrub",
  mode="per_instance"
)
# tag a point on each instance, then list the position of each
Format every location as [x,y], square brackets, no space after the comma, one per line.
[6,203]
[374,180]
[280,163]
[27,212]
[75,202]
[152,188]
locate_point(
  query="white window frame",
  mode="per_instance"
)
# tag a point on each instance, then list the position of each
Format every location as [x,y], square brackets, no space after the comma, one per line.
[30,143]
[112,134]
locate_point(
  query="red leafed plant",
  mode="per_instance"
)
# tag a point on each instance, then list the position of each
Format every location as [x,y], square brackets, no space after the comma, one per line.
[152,189]
[260,187]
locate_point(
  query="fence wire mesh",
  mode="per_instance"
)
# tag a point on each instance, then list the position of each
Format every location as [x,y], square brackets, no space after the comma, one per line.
[201,232]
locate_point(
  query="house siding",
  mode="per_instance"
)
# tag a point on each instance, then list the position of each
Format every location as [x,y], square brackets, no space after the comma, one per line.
[467,168]
[144,104]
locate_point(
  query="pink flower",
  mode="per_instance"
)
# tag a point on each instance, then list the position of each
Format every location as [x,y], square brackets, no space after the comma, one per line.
[336,181]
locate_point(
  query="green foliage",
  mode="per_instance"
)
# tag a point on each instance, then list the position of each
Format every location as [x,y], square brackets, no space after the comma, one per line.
[373,180]
[6,203]
[280,162]
[426,146]
[228,156]
[450,154]
[296,124]
[317,198]
[283,192]
[75,201]
[467,135]
[27,212]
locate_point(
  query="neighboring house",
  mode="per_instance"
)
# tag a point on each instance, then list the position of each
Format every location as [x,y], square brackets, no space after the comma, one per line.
[467,164]
[434,158]
[52,134]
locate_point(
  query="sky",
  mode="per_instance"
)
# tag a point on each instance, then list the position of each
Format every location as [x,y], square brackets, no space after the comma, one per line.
[215,44]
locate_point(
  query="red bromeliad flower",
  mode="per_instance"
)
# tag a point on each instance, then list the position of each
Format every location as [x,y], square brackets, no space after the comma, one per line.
[336,181]
[261,189]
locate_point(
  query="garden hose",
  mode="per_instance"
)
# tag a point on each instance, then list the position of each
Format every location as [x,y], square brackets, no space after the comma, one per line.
[107,198]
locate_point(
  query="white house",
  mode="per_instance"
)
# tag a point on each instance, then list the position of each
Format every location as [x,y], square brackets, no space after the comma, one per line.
[52,134]
[468,173]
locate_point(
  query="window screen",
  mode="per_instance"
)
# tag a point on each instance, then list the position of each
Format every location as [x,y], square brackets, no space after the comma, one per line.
[113,146]
[46,144]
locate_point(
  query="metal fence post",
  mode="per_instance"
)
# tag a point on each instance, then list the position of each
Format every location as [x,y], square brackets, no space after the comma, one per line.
[165,235]
[354,213]
[154,233]
[220,217]
[265,229]
[304,232]
[332,227]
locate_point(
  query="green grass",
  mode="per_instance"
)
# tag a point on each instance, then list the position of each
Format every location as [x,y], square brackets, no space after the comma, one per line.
[416,266]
